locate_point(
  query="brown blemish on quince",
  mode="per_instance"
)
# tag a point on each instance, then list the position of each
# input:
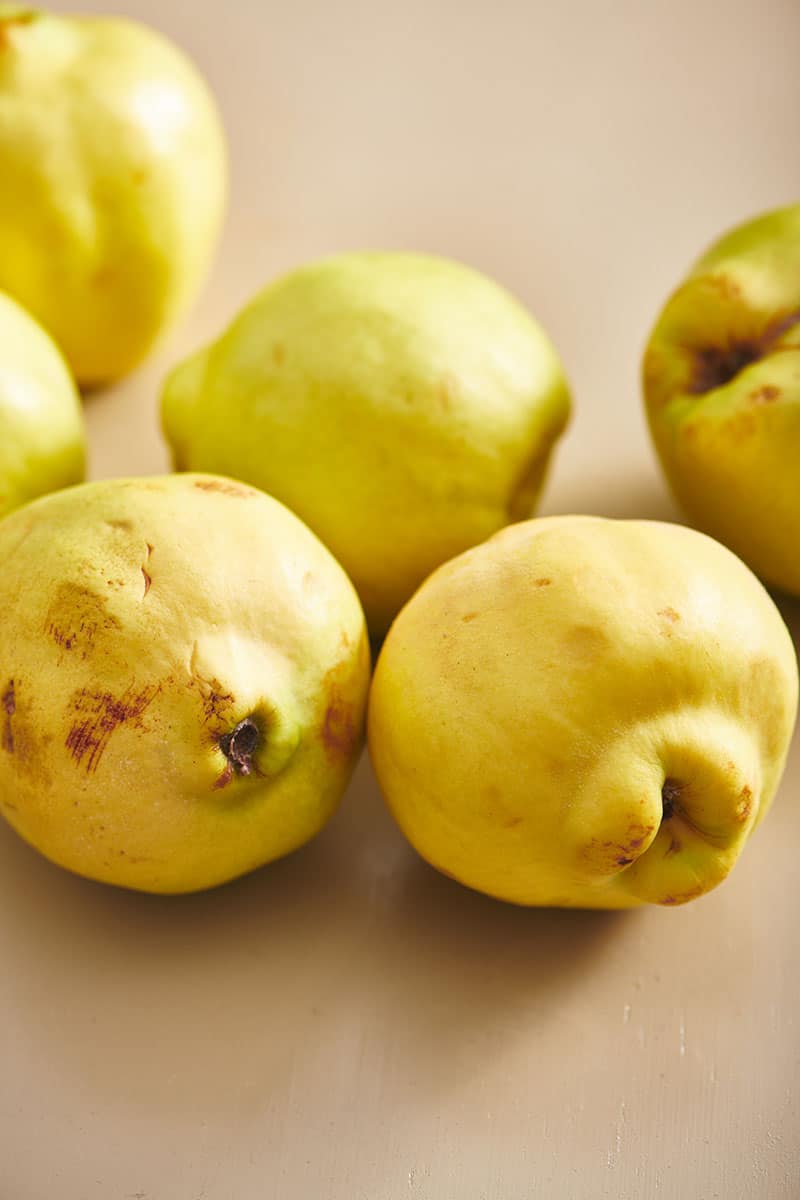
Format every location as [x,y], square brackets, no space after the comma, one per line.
[585,643]
[24,739]
[339,734]
[742,425]
[95,717]
[714,366]
[745,805]
[217,703]
[764,395]
[341,725]
[75,617]
[215,700]
[224,779]
[684,897]
[225,487]
[608,855]
[10,706]
[15,21]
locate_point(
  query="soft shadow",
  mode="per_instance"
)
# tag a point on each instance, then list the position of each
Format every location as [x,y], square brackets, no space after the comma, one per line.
[469,980]
[91,392]
[634,493]
[789,607]
[351,940]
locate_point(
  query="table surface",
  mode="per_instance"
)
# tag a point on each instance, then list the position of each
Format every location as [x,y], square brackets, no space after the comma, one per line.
[346,1024]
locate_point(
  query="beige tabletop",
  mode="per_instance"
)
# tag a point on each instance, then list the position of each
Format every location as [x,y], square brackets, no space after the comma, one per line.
[346,1024]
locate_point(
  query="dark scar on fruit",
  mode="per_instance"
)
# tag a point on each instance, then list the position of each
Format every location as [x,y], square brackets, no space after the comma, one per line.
[98,715]
[715,366]
[10,705]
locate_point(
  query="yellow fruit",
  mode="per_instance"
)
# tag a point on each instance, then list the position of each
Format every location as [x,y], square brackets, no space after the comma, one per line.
[405,407]
[42,439]
[185,670]
[583,712]
[112,162]
[722,389]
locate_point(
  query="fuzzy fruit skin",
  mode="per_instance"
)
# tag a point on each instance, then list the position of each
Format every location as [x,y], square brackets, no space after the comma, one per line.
[405,407]
[113,168]
[42,436]
[143,620]
[531,700]
[731,452]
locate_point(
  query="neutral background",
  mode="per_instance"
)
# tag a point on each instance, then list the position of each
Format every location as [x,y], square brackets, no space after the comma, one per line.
[347,1025]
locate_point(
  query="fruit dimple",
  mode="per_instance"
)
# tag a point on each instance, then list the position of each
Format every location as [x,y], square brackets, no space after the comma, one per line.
[670,794]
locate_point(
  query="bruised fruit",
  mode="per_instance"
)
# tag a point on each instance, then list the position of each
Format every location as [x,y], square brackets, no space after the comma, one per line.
[183,672]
